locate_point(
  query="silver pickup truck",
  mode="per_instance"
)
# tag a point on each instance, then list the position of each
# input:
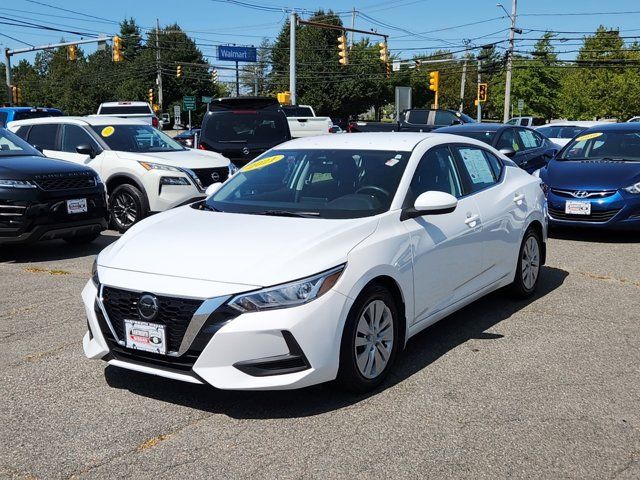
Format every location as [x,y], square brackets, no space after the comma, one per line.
[138,110]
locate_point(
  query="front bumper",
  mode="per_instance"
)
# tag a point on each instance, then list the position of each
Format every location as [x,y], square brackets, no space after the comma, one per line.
[278,349]
[619,211]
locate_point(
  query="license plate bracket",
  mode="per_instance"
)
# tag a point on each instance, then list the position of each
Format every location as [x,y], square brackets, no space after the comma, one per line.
[145,336]
[77,205]
[573,207]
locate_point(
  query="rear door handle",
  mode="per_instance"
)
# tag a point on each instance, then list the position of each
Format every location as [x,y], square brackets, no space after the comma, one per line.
[519,198]
[472,220]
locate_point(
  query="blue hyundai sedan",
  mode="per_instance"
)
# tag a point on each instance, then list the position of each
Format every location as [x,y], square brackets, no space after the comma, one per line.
[594,181]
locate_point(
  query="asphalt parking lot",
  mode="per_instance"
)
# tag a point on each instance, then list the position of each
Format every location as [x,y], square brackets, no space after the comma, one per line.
[547,388]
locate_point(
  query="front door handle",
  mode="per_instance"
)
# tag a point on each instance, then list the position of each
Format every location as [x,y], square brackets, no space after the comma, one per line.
[472,220]
[519,198]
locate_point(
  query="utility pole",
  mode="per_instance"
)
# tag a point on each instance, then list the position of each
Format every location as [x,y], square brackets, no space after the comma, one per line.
[255,80]
[159,69]
[464,75]
[237,80]
[353,25]
[7,64]
[507,84]
[292,57]
[479,111]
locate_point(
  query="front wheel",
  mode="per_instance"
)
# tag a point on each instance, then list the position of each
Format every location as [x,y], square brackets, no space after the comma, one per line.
[527,276]
[369,340]
[127,207]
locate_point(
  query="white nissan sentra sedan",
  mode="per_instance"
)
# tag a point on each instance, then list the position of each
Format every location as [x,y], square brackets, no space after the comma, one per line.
[317,261]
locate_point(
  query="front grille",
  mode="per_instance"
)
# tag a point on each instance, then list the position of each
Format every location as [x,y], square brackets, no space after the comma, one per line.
[586,194]
[174,313]
[206,175]
[73,181]
[599,216]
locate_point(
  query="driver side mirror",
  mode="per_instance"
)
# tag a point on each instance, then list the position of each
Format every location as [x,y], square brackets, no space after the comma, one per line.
[431,203]
[508,152]
[86,149]
[213,188]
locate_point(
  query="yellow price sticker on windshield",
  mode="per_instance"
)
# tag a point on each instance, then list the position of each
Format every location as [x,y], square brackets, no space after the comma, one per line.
[588,136]
[262,163]
[107,131]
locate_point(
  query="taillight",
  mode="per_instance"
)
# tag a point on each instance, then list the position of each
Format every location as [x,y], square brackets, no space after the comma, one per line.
[201,147]
[154,122]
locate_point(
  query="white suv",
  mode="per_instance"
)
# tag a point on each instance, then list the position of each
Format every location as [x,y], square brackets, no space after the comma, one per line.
[144,170]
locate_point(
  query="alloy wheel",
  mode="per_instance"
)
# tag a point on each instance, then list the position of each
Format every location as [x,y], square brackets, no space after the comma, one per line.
[374,339]
[530,262]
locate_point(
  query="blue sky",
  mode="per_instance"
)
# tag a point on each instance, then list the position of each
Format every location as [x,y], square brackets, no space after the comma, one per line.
[413,25]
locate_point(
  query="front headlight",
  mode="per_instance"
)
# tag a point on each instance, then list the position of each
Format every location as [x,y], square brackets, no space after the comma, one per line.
[159,166]
[94,273]
[232,168]
[16,184]
[174,181]
[635,188]
[288,295]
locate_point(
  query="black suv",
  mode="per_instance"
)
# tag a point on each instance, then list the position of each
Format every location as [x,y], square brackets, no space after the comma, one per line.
[241,128]
[42,198]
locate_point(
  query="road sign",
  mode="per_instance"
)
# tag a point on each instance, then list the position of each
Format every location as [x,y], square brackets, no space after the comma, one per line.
[189,103]
[207,99]
[237,54]
[176,111]
[520,104]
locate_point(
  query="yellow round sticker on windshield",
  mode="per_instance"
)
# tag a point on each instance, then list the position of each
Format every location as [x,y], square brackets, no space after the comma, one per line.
[588,136]
[107,131]
[262,163]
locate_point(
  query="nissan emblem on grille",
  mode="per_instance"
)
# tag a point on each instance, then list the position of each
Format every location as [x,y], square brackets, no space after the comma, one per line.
[148,307]
[245,150]
[215,176]
[580,194]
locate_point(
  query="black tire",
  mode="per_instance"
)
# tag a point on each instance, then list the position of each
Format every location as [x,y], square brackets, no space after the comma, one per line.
[127,206]
[349,376]
[521,288]
[81,239]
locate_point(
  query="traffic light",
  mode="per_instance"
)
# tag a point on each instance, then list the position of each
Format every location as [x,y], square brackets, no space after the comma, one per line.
[16,95]
[342,50]
[179,71]
[117,49]
[482,92]
[418,64]
[434,81]
[384,52]
[150,96]
[72,53]
[214,75]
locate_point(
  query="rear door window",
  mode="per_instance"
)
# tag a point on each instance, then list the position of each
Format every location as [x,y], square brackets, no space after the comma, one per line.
[44,136]
[529,139]
[444,118]
[418,116]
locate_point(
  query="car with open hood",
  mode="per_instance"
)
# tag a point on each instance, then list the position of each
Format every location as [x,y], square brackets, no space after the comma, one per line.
[145,170]
[317,261]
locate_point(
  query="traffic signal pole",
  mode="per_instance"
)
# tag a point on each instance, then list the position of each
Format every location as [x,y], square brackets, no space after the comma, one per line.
[9,53]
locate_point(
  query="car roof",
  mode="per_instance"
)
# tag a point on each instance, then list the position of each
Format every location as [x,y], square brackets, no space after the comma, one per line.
[614,127]
[394,141]
[88,120]
[28,109]
[576,123]
[123,104]
[475,127]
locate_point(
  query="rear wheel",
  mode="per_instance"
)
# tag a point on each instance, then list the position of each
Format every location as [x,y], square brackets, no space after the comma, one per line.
[127,207]
[369,340]
[527,276]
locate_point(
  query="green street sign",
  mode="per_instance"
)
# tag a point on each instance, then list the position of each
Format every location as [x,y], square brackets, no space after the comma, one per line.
[189,103]
[207,99]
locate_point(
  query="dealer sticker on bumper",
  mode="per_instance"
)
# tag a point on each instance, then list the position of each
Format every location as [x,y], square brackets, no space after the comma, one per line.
[78,205]
[577,208]
[149,337]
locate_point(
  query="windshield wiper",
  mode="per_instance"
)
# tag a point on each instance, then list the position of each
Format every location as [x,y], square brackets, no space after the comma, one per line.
[286,213]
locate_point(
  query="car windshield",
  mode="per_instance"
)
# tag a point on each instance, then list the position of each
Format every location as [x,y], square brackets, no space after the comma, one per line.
[253,127]
[12,145]
[561,131]
[136,138]
[465,117]
[609,145]
[314,183]
[486,137]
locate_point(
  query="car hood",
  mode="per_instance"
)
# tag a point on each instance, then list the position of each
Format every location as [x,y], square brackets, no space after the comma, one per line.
[243,249]
[590,174]
[22,167]
[188,158]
